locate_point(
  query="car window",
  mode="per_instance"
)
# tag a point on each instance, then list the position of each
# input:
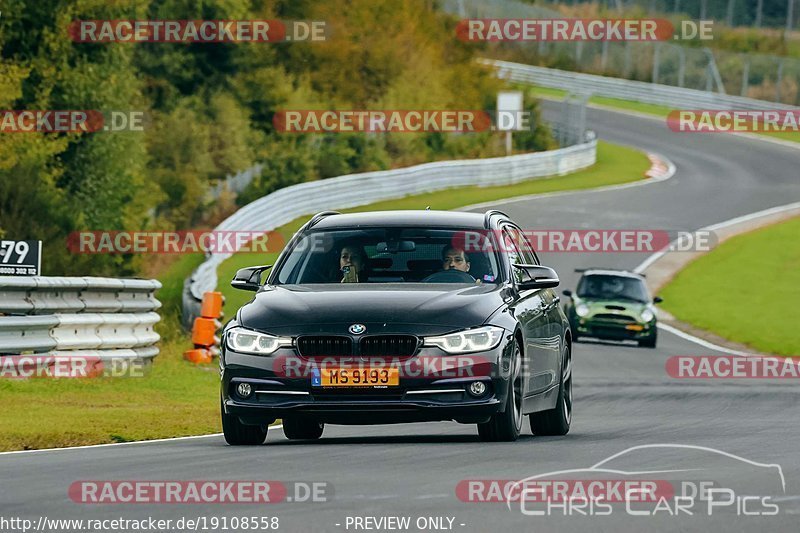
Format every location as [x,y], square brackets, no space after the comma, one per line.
[524,247]
[389,255]
[513,254]
[610,287]
[292,265]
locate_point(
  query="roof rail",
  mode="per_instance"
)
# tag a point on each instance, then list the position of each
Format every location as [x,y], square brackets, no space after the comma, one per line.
[319,216]
[489,214]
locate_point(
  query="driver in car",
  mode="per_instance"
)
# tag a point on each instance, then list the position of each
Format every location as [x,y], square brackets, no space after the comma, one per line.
[455,259]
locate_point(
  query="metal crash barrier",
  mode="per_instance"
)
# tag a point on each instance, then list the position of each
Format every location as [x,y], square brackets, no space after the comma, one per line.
[99,320]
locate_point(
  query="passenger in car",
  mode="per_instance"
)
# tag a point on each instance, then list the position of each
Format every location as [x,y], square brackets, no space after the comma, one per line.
[353,264]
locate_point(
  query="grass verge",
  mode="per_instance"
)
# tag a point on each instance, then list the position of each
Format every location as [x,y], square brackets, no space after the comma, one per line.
[746,290]
[176,398]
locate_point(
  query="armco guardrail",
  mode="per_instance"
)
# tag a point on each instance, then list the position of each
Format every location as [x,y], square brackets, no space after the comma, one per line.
[102,318]
[649,93]
[287,204]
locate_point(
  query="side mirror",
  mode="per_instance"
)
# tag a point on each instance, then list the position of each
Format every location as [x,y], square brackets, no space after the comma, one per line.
[567,292]
[658,300]
[539,277]
[249,279]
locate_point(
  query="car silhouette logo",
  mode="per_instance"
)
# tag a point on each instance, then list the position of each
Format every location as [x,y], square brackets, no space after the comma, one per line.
[357,329]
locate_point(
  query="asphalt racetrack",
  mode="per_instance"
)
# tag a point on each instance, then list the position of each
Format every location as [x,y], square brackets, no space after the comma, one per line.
[623,398]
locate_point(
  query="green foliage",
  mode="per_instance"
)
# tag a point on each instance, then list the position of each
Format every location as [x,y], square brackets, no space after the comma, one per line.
[209,111]
[286,161]
[538,138]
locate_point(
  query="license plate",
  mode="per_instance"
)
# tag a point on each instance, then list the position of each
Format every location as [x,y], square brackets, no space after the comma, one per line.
[359,377]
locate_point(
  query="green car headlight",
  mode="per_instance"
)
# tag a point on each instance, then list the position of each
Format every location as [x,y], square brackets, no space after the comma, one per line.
[647,315]
[582,310]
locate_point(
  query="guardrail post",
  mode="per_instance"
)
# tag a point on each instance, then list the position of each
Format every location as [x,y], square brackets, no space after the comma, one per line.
[656,61]
[745,78]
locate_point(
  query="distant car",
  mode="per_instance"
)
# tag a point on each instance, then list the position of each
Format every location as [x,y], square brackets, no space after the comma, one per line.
[614,305]
[323,343]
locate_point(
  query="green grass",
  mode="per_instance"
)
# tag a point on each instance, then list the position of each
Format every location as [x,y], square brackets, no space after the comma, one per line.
[746,290]
[615,164]
[639,107]
[176,398]
[628,105]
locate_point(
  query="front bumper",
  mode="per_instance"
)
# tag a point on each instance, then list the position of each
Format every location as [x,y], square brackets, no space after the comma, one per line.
[431,387]
[614,330]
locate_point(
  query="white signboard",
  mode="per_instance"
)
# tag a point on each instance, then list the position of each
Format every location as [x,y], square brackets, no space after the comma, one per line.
[509,111]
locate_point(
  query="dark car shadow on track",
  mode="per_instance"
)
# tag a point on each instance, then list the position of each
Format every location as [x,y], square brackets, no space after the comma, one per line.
[610,343]
[392,439]
[574,438]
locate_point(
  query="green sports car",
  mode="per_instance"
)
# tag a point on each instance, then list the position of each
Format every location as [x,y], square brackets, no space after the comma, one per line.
[612,304]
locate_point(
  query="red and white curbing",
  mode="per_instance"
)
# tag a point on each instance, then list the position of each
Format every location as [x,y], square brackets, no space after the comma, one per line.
[659,168]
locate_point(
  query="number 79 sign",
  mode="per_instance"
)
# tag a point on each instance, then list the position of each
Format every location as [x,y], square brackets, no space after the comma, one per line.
[20,258]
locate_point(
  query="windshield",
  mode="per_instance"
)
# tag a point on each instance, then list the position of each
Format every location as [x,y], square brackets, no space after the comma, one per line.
[609,287]
[387,255]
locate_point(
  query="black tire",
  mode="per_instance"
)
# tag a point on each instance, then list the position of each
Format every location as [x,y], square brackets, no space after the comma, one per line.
[301,428]
[557,421]
[238,434]
[506,426]
[649,343]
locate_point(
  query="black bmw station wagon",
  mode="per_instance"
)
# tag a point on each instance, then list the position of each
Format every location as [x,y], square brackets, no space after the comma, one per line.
[398,316]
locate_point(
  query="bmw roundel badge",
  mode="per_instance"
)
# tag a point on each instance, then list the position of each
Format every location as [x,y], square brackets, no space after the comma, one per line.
[357,329]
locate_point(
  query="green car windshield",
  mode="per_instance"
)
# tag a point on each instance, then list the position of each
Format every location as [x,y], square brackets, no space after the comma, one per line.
[609,287]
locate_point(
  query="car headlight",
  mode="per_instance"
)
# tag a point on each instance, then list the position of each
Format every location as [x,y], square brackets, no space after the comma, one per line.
[647,315]
[249,341]
[582,310]
[469,340]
